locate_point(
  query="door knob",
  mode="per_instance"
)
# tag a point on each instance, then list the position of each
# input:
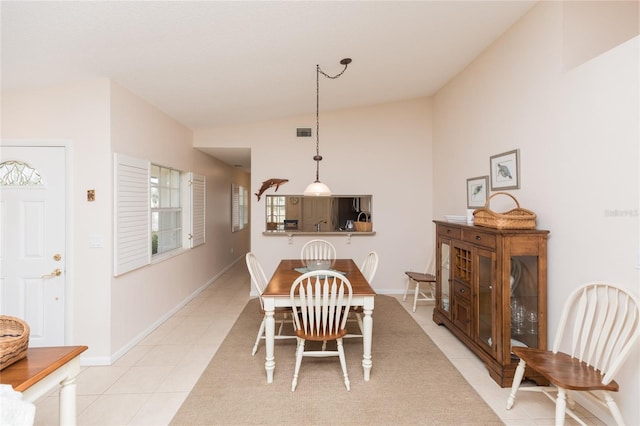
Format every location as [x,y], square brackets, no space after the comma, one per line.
[55,273]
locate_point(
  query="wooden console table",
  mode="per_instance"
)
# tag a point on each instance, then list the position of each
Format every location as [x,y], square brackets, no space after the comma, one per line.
[42,370]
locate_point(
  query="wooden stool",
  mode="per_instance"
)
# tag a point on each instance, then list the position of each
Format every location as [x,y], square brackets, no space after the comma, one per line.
[427,294]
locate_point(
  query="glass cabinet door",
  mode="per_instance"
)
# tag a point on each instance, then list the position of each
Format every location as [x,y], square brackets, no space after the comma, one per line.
[445,276]
[524,309]
[485,326]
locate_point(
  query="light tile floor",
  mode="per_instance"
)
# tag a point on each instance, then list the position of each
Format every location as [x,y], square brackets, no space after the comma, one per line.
[148,384]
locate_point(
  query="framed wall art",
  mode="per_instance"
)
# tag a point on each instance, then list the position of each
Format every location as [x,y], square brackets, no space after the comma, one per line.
[477,191]
[505,170]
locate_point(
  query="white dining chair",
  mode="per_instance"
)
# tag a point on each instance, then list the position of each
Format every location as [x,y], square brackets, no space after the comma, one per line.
[368,268]
[602,326]
[321,301]
[425,285]
[318,250]
[259,281]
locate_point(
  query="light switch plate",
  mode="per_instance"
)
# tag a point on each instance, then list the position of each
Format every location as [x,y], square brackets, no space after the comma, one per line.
[96,241]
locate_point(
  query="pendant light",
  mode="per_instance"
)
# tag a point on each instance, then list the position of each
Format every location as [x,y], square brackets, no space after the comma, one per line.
[317,188]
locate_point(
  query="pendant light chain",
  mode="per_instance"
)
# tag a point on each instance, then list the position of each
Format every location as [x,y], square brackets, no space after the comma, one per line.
[318,157]
[317,188]
[346,64]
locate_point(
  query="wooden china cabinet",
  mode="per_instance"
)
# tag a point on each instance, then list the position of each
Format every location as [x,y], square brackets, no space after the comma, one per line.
[491,292]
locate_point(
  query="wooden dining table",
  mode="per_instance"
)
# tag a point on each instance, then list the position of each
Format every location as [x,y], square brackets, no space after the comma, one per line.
[276,295]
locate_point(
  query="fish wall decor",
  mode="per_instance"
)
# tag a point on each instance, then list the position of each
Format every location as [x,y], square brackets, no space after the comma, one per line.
[268,184]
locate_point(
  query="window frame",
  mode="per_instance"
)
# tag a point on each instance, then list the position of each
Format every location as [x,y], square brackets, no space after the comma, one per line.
[168,210]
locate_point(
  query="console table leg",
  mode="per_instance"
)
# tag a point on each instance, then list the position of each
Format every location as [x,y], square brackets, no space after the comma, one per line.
[68,402]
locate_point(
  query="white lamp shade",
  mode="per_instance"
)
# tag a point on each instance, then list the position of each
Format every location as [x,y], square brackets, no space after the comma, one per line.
[317,189]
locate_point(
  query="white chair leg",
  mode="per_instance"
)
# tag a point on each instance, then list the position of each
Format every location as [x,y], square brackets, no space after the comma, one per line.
[561,406]
[613,407]
[432,290]
[360,325]
[570,402]
[299,355]
[415,296]
[343,363]
[281,325]
[260,334]
[517,378]
[406,289]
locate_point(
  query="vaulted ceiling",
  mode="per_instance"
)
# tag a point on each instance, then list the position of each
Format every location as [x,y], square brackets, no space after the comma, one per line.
[219,63]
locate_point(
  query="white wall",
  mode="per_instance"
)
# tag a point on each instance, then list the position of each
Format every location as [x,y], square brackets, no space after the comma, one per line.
[78,113]
[142,298]
[382,150]
[577,130]
[99,118]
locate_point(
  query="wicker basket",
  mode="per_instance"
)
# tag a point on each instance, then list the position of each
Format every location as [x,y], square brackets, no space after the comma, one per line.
[365,225]
[14,340]
[272,225]
[517,218]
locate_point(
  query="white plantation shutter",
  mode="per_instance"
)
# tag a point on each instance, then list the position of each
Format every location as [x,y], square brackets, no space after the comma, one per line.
[245,207]
[132,237]
[235,208]
[197,196]
[239,207]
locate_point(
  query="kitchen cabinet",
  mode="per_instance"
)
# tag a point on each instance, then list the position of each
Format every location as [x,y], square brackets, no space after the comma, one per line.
[491,292]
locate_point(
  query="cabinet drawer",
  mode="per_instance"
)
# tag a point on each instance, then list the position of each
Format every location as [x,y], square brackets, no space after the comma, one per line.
[461,290]
[448,231]
[479,238]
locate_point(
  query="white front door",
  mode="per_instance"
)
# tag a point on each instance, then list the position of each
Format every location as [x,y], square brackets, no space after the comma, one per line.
[32,239]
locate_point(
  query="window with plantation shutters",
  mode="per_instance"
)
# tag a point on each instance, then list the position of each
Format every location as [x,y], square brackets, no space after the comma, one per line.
[159,211]
[131,214]
[235,208]
[197,202]
[239,207]
[244,206]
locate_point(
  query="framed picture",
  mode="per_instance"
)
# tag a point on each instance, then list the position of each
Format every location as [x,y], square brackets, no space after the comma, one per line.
[505,170]
[477,191]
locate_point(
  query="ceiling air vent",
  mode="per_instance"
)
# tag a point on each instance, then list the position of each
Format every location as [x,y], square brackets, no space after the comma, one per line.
[303,132]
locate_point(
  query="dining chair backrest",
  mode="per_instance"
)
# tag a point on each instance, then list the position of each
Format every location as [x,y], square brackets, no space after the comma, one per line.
[602,326]
[431,265]
[322,300]
[318,250]
[258,278]
[598,328]
[369,266]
